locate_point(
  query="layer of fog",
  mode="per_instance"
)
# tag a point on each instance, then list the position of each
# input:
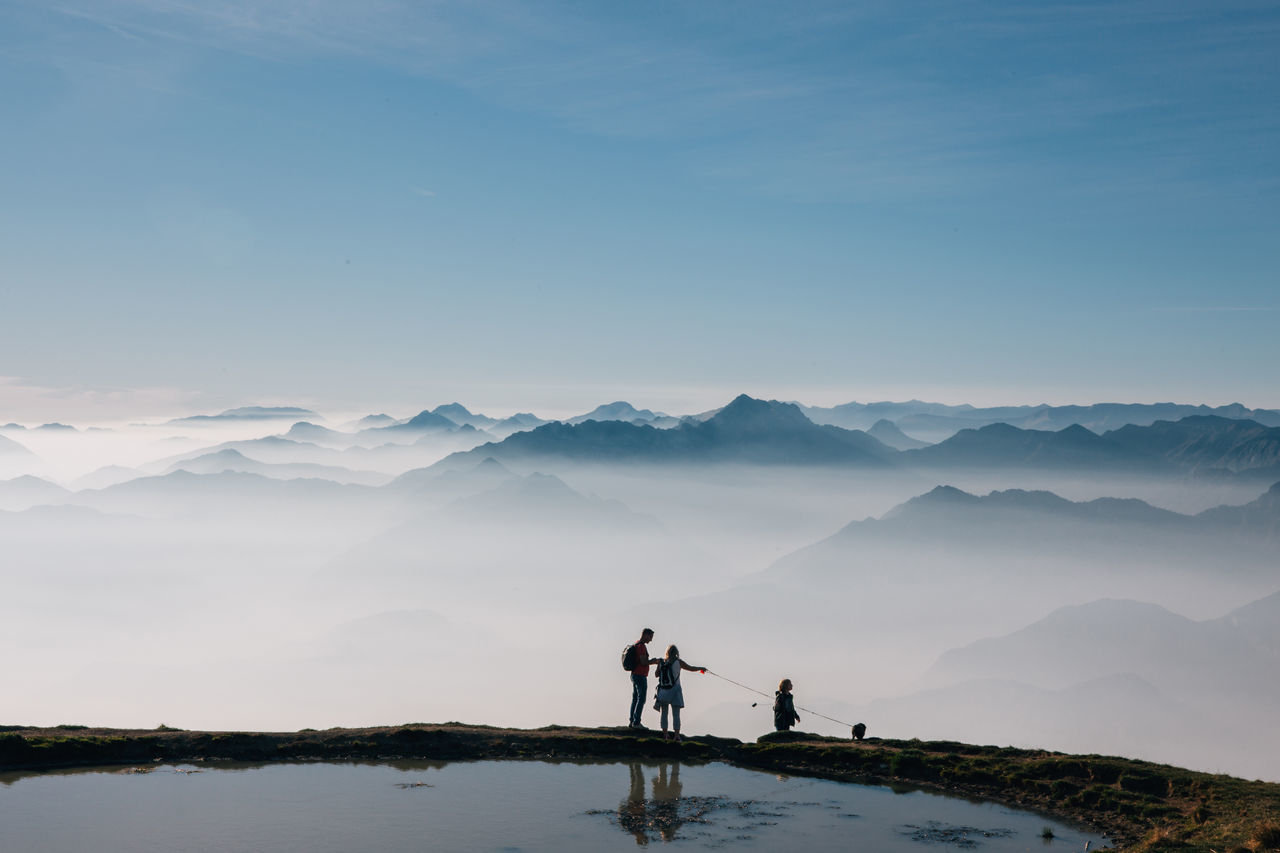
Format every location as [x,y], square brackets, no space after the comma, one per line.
[246,596]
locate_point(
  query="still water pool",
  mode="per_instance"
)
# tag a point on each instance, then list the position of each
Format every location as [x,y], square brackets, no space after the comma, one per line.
[492,806]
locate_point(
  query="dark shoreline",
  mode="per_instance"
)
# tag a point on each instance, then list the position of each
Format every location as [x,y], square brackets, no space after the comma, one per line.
[1139,805]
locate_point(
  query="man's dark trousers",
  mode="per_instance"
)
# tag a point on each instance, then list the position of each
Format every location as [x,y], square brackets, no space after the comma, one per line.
[639,689]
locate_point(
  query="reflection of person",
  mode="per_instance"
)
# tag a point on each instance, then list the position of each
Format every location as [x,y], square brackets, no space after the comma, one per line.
[631,811]
[670,694]
[666,801]
[784,708]
[640,676]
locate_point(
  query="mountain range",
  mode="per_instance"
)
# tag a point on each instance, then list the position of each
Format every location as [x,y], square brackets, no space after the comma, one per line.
[770,432]
[26,491]
[1006,521]
[621,410]
[234,460]
[228,493]
[747,430]
[935,421]
[247,413]
[1112,675]
[1233,654]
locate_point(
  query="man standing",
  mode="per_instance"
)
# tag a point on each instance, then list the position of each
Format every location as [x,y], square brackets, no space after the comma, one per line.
[640,676]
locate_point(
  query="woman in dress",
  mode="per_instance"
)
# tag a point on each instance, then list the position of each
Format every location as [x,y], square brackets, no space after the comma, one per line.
[670,695]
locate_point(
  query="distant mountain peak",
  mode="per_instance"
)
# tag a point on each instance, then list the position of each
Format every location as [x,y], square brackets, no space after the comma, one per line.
[250,413]
[428,420]
[619,410]
[229,453]
[945,492]
[266,411]
[943,496]
[746,411]
[887,432]
[491,466]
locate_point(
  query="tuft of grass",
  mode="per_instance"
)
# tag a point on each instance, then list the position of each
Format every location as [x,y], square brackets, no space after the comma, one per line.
[1046,834]
[1159,839]
[1266,836]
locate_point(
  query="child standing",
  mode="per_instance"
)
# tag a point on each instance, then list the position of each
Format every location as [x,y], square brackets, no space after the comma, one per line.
[784,709]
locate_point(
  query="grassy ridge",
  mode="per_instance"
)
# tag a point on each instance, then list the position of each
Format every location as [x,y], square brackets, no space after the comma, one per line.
[1144,806]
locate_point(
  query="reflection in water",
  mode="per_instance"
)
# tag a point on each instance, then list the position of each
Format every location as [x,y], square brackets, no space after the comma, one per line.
[712,821]
[492,805]
[666,801]
[666,813]
[632,812]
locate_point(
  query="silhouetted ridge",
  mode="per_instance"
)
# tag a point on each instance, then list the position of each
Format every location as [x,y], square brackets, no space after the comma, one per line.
[250,413]
[461,415]
[620,410]
[313,432]
[934,418]
[748,414]
[939,496]
[492,466]
[450,409]
[1002,445]
[747,430]
[948,500]
[887,432]
[1259,517]
[9,447]
[430,420]
[1204,441]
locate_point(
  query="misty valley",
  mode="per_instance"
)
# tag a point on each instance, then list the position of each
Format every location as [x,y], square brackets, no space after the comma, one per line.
[1096,579]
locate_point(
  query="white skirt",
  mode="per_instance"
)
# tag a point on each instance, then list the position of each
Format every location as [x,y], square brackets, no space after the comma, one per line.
[671,695]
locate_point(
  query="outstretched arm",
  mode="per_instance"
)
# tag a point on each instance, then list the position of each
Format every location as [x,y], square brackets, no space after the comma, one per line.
[691,668]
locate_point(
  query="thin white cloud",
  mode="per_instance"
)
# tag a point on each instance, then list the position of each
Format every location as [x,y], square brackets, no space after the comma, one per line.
[30,403]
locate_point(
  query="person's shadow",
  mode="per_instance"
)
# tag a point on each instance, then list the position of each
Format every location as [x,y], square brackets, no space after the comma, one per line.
[633,811]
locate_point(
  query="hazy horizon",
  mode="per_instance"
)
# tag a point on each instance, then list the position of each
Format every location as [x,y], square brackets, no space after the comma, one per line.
[80,408]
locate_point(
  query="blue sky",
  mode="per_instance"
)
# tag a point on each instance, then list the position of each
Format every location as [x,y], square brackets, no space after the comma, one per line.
[392,205]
